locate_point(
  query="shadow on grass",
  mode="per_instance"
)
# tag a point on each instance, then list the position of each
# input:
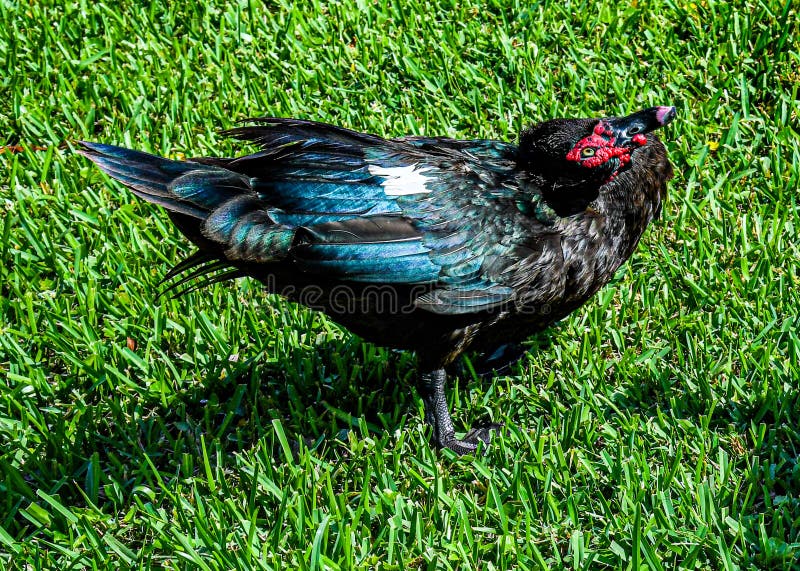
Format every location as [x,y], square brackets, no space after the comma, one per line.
[104,441]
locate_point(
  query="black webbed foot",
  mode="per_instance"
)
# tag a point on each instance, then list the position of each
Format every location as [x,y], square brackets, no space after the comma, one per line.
[471,440]
[431,388]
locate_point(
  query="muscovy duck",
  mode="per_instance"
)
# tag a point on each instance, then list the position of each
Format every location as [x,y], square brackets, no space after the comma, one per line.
[434,245]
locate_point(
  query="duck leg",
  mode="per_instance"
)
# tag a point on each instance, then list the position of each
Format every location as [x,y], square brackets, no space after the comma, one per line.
[431,389]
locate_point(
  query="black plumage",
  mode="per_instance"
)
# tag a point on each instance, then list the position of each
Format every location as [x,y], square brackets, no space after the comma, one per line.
[429,244]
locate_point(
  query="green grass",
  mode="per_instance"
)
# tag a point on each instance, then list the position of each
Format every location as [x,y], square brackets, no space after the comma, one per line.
[658,427]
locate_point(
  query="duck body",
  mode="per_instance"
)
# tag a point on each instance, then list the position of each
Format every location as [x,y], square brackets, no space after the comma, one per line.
[433,245]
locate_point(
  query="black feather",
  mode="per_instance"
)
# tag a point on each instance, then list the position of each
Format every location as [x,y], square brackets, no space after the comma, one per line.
[424,243]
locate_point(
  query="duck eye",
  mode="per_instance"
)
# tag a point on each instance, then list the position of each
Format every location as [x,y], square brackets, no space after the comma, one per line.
[634,130]
[587,152]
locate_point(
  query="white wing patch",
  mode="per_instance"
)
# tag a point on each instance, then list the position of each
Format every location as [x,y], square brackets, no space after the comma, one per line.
[401,181]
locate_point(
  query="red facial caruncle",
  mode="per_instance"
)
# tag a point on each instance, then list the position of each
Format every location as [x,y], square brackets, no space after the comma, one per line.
[599,147]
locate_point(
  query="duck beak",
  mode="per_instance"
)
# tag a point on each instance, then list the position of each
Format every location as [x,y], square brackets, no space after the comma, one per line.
[630,131]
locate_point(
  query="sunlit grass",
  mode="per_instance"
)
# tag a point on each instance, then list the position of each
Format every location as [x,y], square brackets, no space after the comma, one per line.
[658,426]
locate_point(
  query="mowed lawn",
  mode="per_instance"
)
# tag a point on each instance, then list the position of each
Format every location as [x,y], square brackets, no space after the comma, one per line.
[658,427]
